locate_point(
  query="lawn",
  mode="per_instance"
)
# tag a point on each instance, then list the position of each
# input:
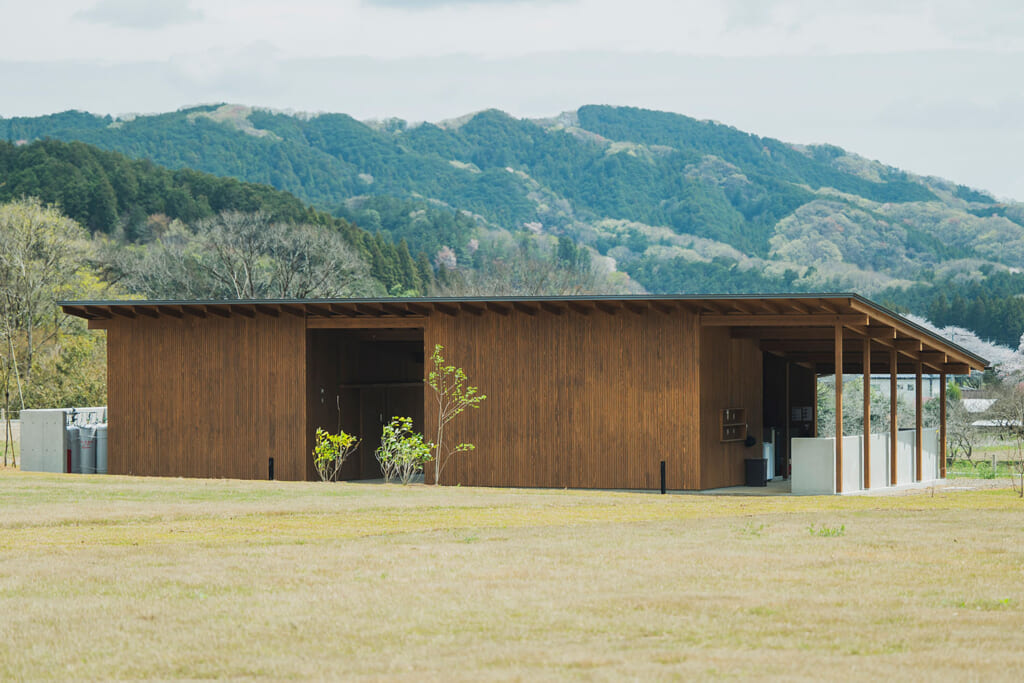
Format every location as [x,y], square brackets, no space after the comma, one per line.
[122,577]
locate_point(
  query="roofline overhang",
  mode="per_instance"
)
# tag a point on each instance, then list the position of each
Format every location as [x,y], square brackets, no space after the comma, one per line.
[724,310]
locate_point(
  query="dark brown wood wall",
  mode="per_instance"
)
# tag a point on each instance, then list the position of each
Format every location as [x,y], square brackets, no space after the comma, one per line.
[207,397]
[731,376]
[574,400]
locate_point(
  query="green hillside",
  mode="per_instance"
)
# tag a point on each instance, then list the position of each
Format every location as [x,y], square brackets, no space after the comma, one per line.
[111,194]
[659,201]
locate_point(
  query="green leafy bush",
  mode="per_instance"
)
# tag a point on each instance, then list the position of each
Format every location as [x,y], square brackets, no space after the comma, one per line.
[402,451]
[330,452]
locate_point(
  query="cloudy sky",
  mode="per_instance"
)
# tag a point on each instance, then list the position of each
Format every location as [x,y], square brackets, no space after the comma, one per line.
[932,86]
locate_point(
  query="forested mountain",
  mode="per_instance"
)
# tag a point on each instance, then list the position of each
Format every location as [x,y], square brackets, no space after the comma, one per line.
[653,200]
[127,199]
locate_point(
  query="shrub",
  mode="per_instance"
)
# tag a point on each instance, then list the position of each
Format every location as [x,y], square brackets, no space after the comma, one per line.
[402,451]
[330,452]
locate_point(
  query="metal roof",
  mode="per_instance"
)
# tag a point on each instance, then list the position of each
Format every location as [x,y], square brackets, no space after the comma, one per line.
[769,310]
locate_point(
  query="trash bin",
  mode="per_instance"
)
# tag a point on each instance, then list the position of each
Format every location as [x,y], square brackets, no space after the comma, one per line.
[757,471]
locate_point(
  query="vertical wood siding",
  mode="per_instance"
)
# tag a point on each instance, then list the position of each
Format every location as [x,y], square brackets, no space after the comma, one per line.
[731,375]
[573,400]
[207,397]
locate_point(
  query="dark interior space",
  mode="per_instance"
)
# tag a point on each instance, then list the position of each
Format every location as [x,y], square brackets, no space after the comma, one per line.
[788,406]
[360,379]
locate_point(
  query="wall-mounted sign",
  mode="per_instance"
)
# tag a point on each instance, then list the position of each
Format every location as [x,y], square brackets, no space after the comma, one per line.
[733,423]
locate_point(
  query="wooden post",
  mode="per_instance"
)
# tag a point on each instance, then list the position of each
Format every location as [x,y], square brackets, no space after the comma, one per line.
[942,427]
[918,411]
[867,412]
[893,426]
[786,438]
[839,406]
[814,405]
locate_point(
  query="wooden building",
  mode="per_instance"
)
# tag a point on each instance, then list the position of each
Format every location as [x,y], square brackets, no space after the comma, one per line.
[591,392]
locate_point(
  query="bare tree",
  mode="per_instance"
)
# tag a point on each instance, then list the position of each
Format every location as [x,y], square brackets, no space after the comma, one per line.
[960,433]
[1008,412]
[242,256]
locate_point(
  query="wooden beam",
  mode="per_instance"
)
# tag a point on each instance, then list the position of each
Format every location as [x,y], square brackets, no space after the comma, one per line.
[369,309]
[810,320]
[942,426]
[710,306]
[551,308]
[218,311]
[293,310]
[446,309]
[248,312]
[524,308]
[637,307]
[172,311]
[195,311]
[98,323]
[122,311]
[908,330]
[417,309]
[742,307]
[396,309]
[500,309]
[146,311]
[867,413]
[318,309]
[956,369]
[908,345]
[347,323]
[839,406]
[472,309]
[342,309]
[782,333]
[582,309]
[268,310]
[826,306]
[662,307]
[893,424]
[880,332]
[918,422]
[606,308]
[796,306]
[77,311]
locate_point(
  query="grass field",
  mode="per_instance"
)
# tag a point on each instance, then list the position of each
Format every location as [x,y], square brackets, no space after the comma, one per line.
[120,577]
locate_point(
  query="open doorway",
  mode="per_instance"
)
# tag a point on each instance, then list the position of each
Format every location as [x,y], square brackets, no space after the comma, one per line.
[788,408]
[361,378]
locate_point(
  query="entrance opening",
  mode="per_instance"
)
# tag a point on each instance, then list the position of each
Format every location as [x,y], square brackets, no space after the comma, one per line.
[359,379]
[788,409]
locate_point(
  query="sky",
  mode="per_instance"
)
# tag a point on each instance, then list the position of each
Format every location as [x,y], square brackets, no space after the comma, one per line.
[931,86]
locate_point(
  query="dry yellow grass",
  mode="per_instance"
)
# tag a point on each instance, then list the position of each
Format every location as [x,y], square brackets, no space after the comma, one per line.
[119,577]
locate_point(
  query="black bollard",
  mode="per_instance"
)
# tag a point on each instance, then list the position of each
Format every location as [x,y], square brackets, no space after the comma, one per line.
[271,469]
[663,477]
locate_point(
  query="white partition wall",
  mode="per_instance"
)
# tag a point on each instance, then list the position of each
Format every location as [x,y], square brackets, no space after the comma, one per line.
[853,463]
[879,461]
[906,457]
[929,454]
[814,462]
[814,466]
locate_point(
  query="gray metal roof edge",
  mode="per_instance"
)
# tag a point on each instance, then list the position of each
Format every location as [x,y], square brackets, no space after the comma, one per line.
[529,299]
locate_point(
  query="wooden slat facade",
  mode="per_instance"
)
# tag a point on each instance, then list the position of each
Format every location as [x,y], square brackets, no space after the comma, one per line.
[730,377]
[592,401]
[591,393]
[207,397]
